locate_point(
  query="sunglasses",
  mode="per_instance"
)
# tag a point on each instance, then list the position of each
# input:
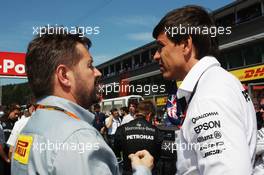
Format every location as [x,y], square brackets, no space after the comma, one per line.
[261,106]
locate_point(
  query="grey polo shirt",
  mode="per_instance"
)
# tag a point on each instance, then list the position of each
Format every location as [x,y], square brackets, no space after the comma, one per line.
[54,143]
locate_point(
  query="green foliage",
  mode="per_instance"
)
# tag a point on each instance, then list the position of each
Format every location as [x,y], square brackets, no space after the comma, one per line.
[20,93]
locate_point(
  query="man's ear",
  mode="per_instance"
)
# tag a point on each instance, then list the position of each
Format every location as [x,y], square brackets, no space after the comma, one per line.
[187,46]
[64,75]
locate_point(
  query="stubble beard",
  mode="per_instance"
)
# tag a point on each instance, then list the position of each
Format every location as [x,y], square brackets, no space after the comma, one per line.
[83,96]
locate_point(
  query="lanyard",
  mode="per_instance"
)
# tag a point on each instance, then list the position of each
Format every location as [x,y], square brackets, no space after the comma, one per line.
[57,109]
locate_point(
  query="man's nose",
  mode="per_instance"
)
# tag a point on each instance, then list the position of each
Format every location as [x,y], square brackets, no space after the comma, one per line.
[97,73]
[156,56]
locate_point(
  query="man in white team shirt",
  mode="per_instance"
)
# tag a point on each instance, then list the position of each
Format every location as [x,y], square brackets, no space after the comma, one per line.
[112,123]
[218,135]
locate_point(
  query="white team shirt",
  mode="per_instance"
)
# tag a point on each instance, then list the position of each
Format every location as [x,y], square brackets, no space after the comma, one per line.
[218,135]
[116,123]
[19,125]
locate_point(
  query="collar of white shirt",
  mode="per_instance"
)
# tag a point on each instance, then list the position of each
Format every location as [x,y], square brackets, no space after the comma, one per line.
[187,86]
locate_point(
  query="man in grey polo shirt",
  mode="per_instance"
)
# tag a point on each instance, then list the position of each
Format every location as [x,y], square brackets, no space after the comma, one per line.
[59,139]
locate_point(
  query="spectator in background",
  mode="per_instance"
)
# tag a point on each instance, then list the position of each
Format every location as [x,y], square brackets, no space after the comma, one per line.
[99,119]
[3,155]
[11,115]
[139,134]
[260,114]
[256,104]
[19,125]
[126,115]
[112,123]
[132,109]
[30,109]
[259,163]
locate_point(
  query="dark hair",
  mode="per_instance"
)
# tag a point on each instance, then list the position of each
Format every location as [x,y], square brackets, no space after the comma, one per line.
[97,106]
[29,105]
[125,109]
[145,107]
[13,107]
[133,103]
[113,110]
[10,108]
[194,16]
[45,52]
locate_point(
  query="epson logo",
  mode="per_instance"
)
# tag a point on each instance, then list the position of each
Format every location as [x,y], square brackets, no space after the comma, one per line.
[195,119]
[207,125]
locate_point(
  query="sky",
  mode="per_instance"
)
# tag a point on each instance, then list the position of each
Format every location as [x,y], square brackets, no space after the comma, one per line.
[117,26]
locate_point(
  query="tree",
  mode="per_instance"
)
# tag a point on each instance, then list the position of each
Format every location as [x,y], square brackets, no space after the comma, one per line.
[20,93]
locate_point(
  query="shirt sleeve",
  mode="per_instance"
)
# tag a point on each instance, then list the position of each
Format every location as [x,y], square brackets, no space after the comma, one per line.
[141,170]
[88,154]
[216,131]
[106,120]
[14,134]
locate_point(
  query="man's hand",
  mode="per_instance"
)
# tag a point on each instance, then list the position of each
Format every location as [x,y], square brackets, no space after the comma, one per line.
[102,130]
[7,160]
[143,158]
[109,122]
